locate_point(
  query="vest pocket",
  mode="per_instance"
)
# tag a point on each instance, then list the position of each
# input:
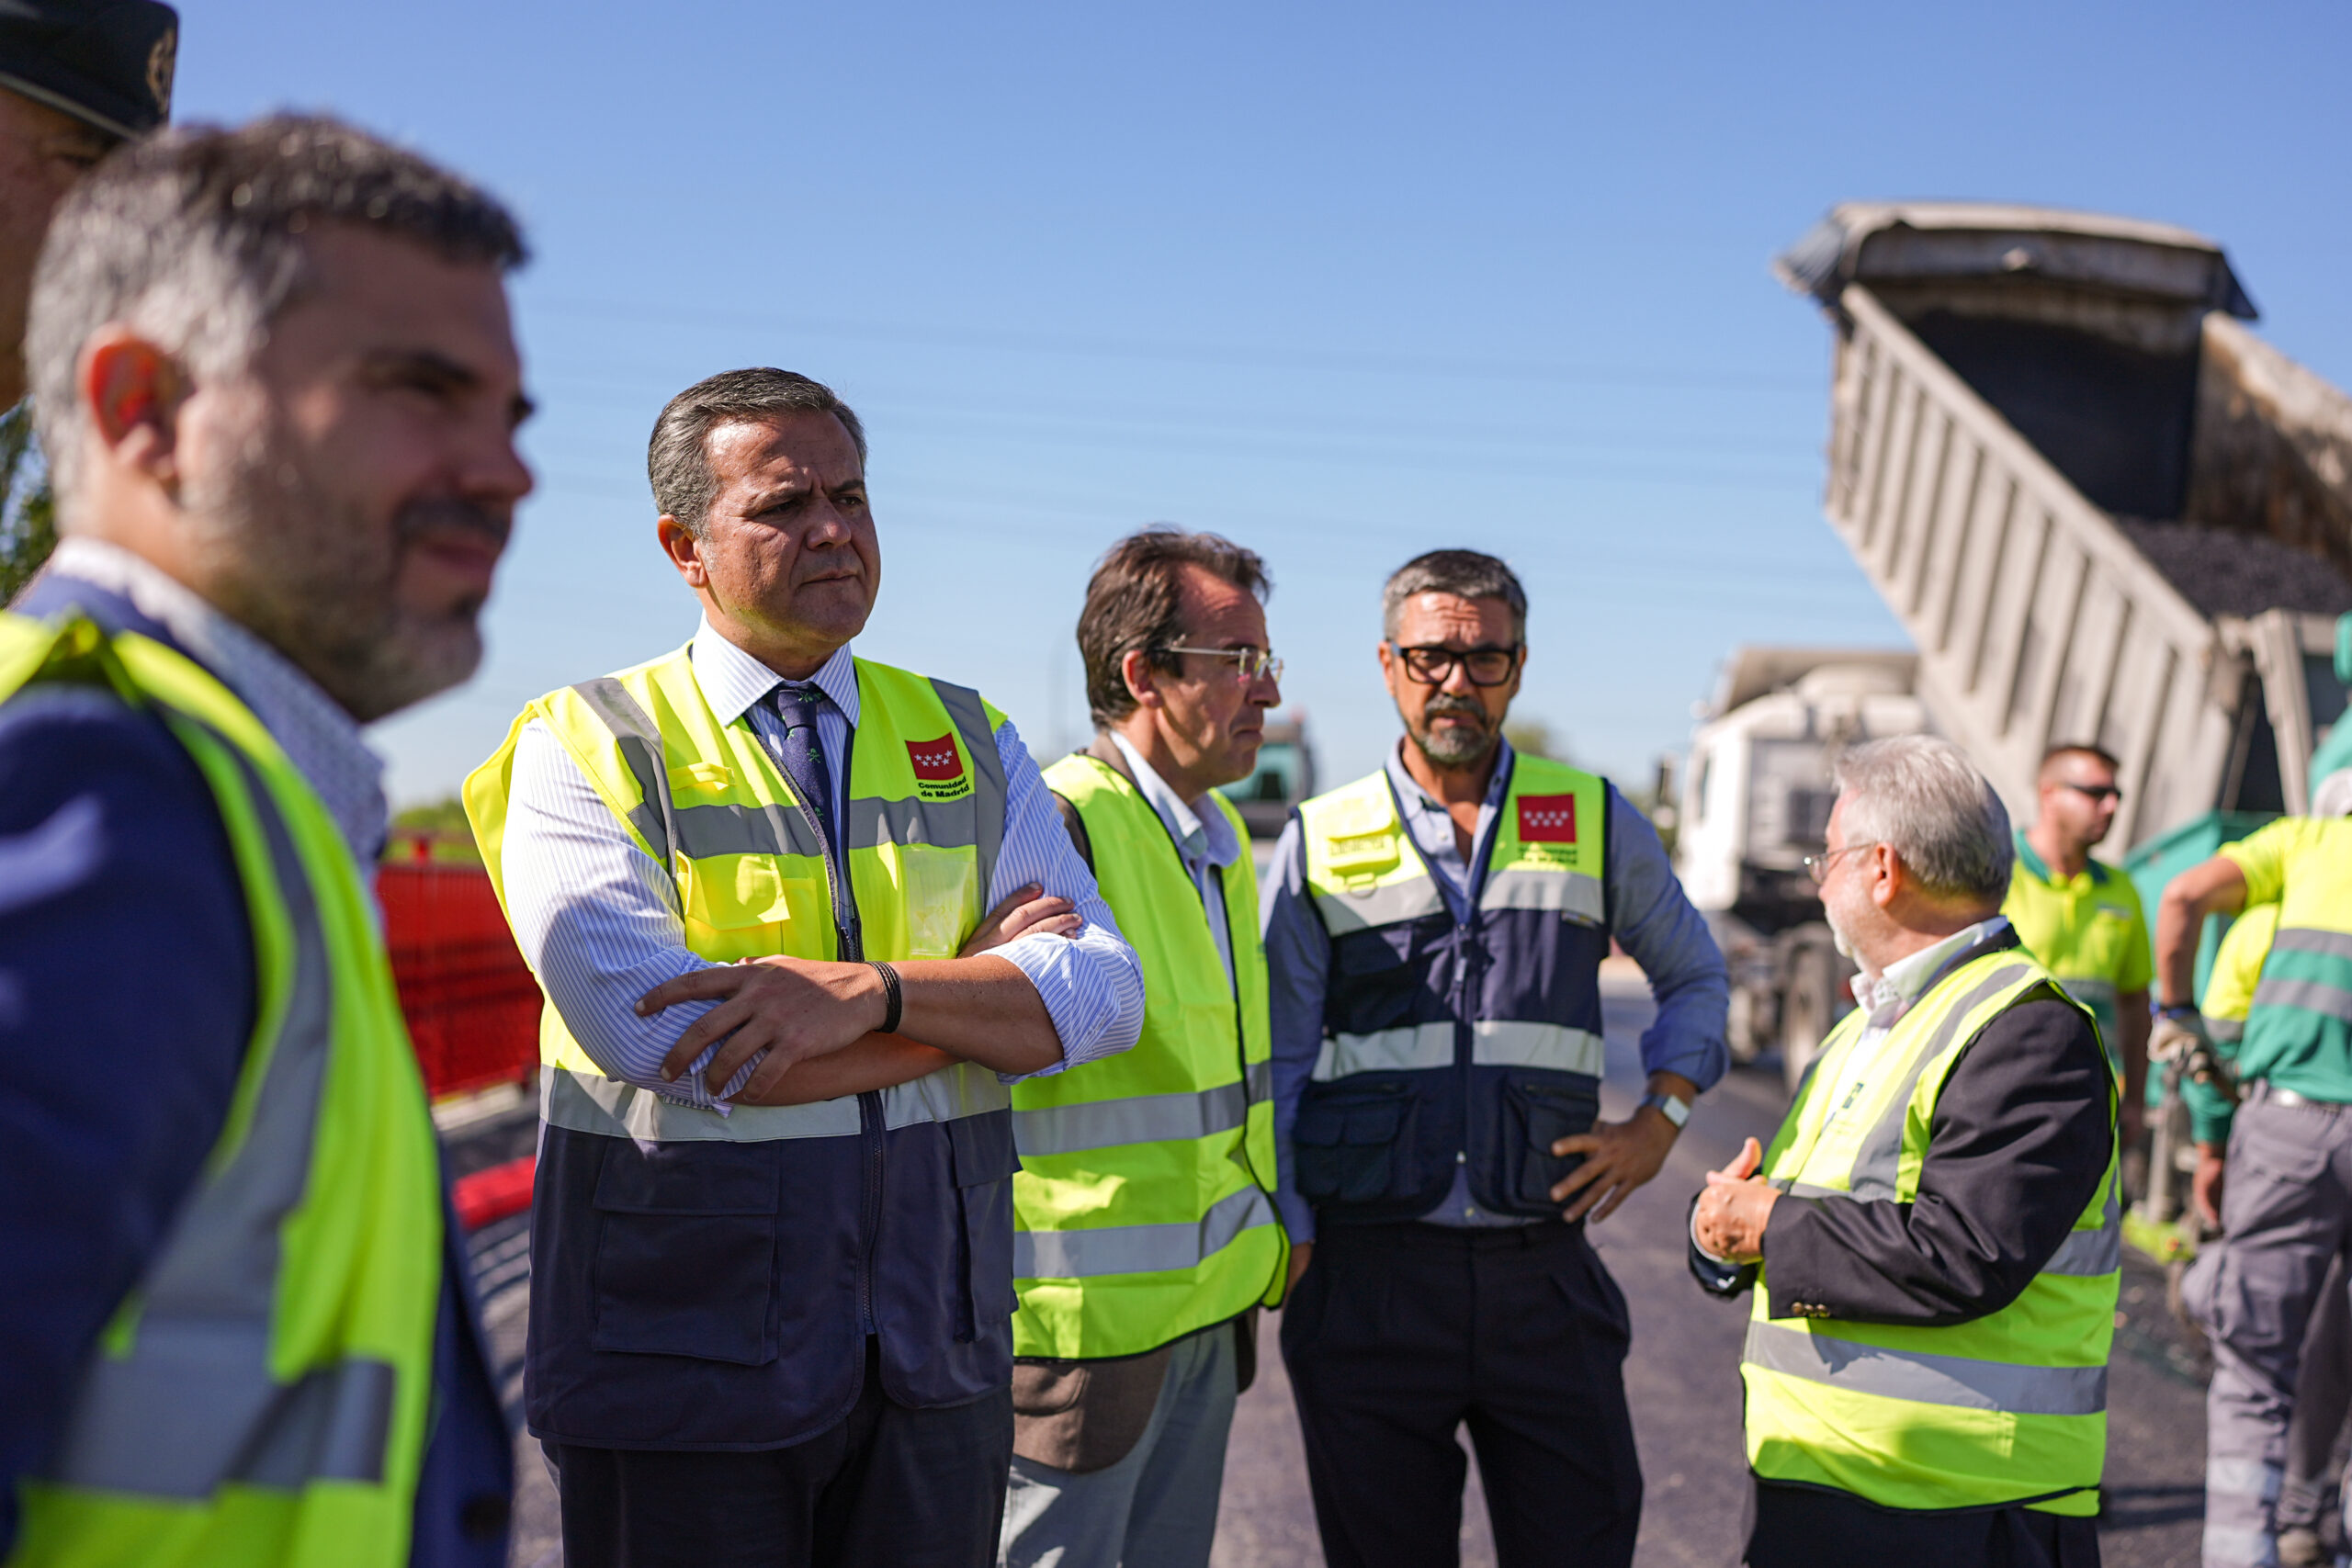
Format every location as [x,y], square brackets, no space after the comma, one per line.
[712,1203]
[1537,1116]
[1351,1140]
[979,1148]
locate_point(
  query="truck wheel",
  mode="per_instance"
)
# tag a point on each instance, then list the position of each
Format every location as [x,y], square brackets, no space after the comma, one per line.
[1806,1010]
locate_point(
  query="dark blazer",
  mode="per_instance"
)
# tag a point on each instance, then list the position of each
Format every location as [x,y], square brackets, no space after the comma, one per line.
[126,1009]
[2021,1137]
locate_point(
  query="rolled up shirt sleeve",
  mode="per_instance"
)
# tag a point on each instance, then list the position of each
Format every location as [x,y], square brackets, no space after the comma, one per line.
[1092,984]
[1299,966]
[1653,920]
[597,920]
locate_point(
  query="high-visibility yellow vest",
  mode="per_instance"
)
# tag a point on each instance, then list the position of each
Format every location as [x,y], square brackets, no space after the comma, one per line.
[2086,930]
[924,817]
[2010,1408]
[2236,973]
[2298,1026]
[1450,1044]
[260,1396]
[1144,1206]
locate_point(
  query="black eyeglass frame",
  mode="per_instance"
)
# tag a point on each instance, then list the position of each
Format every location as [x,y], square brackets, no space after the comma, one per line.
[1445,659]
[2095,793]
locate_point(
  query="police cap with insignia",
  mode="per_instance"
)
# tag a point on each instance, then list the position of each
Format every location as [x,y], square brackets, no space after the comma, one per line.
[107,62]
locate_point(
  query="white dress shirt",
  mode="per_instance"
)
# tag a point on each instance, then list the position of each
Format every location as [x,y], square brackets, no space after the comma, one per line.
[1203,840]
[598,917]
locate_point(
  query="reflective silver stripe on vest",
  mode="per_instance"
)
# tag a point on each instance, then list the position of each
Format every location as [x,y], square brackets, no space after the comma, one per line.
[2224,1030]
[1925,1379]
[2311,938]
[1555,892]
[1494,1043]
[948,1094]
[1389,903]
[1142,1119]
[586,1102]
[1879,1158]
[639,739]
[194,1404]
[2083,1254]
[1415,1047]
[2306,995]
[947,825]
[971,716]
[1139,1249]
[1504,1043]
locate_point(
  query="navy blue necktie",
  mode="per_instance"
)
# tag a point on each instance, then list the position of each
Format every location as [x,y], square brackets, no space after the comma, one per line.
[801,757]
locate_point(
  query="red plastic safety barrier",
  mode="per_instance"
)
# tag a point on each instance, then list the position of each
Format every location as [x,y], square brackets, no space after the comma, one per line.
[471,1005]
[493,1194]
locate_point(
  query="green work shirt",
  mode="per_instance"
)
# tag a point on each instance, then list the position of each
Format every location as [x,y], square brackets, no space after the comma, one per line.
[2086,930]
[2299,1028]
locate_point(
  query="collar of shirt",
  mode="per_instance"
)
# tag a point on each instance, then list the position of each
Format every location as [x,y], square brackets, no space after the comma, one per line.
[1889,995]
[1431,826]
[733,682]
[1201,836]
[318,737]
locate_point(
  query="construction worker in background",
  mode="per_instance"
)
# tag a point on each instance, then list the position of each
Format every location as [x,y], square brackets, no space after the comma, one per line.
[77,77]
[2081,918]
[275,375]
[771,1244]
[1434,936]
[1935,1236]
[2282,1105]
[1145,1204]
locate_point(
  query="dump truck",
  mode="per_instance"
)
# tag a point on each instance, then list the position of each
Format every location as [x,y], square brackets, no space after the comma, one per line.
[2104,510]
[1755,794]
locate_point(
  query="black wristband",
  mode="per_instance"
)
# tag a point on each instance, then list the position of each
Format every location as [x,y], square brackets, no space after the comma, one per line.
[889,1025]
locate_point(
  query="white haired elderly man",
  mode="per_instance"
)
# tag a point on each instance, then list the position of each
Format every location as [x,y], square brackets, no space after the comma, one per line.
[1932,1237]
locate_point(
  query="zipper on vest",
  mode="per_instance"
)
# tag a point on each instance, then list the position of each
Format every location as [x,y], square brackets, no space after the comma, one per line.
[873,1139]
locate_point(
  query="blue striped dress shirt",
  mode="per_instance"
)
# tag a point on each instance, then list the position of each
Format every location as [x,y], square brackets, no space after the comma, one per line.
[598,917]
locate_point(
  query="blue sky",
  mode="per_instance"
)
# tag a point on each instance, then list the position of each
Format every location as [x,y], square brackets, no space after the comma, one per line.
[1342,283]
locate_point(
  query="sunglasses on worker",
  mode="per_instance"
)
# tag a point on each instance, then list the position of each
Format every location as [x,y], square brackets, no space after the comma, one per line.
[1433,665]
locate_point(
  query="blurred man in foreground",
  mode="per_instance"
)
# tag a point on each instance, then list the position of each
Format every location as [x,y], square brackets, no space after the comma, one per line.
[77,78]
[278,388]
[1934,1237]
[2283,1194]
[1146,1195]
[1434,936]
[2081,919]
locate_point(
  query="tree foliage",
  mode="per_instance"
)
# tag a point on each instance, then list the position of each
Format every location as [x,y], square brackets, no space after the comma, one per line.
[27,510]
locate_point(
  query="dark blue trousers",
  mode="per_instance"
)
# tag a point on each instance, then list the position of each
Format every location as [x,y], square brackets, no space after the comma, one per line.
[888,1485]
[1401,1334]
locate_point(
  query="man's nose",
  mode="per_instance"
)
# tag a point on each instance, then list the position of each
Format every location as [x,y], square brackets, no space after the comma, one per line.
[495,473]
[1457,678]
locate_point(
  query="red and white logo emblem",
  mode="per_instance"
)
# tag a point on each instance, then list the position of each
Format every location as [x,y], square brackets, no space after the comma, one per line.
[1547,819]
[936,761]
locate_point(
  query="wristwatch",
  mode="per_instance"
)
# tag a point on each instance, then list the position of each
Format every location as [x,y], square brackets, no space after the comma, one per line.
[1671,1107]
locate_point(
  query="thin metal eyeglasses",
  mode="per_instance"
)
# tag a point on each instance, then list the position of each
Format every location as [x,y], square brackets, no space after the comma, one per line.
[1250,664]
[1817,867]
[1433,665]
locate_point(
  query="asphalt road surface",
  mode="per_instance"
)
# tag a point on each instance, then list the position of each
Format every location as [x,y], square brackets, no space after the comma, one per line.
[1682,1378]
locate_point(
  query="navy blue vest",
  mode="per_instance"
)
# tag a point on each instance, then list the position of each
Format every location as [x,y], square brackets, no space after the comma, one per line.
[1448,1043]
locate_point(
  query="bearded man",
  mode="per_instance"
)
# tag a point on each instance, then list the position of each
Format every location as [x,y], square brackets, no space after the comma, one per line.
[1434,934]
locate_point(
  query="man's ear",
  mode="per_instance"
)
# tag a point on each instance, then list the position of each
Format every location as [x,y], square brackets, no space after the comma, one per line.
[132,390]
[1135,672]
[1894,876]
[683,549]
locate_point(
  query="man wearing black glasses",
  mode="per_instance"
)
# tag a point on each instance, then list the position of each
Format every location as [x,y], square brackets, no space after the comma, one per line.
[2081,918]
[1434,934]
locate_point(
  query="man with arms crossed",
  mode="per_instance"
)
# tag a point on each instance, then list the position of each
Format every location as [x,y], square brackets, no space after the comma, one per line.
[1434,936]
[772,1252]
[2081,919]
[1146,1195]
[278,383]
[1934,1234]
